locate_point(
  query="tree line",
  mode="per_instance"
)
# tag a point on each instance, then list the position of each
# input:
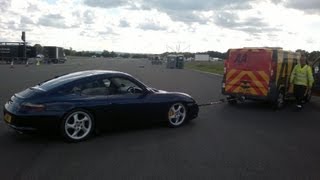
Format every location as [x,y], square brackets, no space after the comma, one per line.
[311,56]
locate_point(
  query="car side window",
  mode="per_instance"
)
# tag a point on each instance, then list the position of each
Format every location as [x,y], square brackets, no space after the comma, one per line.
[91,88]
[103,87]
[86,88]
[106,82]
[125,86]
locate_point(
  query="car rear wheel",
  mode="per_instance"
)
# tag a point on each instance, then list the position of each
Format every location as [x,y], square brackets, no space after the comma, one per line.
[77,126]
[177,115]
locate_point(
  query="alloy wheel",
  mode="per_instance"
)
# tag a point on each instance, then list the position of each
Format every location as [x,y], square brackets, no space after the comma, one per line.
[78,125]
[177,114]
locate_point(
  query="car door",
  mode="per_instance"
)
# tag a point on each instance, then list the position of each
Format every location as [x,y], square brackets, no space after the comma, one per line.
[316,74]
[91,94]
[127,100]
[95,93]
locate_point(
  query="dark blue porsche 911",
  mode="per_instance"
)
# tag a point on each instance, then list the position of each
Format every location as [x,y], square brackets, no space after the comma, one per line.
[78,103]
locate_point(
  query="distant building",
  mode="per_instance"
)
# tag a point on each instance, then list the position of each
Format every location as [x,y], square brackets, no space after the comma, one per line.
[216,59]
[202,57]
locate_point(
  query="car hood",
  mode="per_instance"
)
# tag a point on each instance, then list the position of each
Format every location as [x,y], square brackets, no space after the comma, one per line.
[172,93]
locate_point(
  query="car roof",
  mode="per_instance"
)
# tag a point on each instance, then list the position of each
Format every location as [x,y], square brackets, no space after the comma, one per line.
[81,74]
[67,78]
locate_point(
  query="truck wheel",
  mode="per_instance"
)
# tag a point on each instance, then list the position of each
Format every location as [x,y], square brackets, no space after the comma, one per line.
[232,100]
[279,103]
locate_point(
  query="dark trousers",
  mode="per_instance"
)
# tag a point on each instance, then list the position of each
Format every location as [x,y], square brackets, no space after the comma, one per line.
[299,93]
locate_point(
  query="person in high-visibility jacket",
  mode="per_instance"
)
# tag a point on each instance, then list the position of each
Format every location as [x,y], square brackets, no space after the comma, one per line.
[302,80]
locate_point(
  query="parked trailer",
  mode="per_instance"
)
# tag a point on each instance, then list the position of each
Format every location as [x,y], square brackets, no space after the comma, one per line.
[14,52]
[53,54]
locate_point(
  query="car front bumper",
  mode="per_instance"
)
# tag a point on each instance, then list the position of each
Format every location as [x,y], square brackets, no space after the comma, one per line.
[193,110]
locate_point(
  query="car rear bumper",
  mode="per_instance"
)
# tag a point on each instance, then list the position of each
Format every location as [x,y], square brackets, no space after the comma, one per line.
[30,123]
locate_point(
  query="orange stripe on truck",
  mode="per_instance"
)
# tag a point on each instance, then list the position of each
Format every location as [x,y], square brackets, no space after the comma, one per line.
[258,83]
[237,78]
[247,91]
[264,76]
[260,79]
[230,73]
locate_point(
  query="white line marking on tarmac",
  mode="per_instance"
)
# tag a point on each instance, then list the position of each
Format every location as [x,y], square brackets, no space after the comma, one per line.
[215,74]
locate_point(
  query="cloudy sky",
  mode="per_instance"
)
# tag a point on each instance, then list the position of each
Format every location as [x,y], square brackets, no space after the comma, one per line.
[156,26]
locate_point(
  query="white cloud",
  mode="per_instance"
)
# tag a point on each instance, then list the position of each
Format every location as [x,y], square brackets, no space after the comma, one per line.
[310,6]
[89,17]
[124,23]
[303,5]
[52,20]
[105,3]
[26,20]
[4,5]
[154,25]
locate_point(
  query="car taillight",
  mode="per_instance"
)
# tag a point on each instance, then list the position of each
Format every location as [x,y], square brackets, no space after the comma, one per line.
[32,107]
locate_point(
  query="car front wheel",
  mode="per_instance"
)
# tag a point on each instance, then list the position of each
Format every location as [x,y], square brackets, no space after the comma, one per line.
[177,115]
[77,126]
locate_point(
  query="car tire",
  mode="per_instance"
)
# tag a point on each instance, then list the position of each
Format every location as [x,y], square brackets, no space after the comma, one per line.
[177,115]
[77,125]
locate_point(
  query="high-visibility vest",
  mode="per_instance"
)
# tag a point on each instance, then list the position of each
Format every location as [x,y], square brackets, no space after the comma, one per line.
[302,75]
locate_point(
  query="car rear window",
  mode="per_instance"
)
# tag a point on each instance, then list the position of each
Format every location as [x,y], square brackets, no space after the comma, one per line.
[30,92]
[56,82]
[51,84]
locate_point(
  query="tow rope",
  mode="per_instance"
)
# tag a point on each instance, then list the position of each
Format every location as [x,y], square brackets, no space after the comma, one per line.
[217,102]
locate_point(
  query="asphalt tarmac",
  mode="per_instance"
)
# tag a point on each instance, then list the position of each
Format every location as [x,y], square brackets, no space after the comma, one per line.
[246,141]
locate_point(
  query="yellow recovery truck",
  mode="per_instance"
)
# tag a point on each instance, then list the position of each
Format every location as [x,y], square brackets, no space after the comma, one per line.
[262,74]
